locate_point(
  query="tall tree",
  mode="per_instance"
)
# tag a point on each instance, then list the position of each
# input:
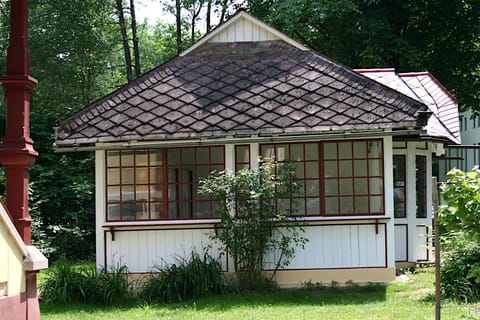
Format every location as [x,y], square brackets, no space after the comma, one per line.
[125,42]
[194,7]
[178,21]
[136,50]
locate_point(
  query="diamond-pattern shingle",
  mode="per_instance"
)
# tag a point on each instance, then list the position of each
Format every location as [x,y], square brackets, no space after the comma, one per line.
[245,88]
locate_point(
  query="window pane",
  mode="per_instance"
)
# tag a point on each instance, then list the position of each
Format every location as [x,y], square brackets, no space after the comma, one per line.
[312,169]
[360,168]
[297,152]
[282,152]
[172,210]
[113,176]
[141,158]
[376,204]
[346,187]
[375,149]
[141,193]
[203,210]
[188,155]
[330,150]
[128,211]
[202,155]
[156,193]
[361,186]
[346,205]
[127,158]
[331,205]
[141,212]
[311,151]
[114,211]
[155,211]
[156,175]
[344,150]
[141,176]
[242,154]
[202,172]
[421,186]
[299,206]
[345,168]
[375,167]
[173,156]
[113,194]
[128,193]
[331,187]
[376,186]
[267,151]
[156,158]
[361,205]
[217,155]
[313,206]
[113,159]
[312,187]
[399,186]
[128,175]
[242,166]
[331,169]
[360,149]
[300,170]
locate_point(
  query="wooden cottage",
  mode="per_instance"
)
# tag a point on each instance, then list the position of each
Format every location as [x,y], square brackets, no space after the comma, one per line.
[363,147]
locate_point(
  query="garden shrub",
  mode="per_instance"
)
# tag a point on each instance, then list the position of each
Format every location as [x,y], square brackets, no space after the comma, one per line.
[460,272]
[257,209]
[188,278]
[460,264]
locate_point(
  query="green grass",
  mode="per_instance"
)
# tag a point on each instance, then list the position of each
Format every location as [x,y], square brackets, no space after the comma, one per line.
[413,300]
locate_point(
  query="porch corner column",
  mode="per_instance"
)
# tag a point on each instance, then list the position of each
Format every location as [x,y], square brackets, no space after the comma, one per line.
[17,154]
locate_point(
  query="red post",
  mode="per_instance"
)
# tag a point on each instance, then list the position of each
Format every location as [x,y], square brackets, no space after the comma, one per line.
[17,154]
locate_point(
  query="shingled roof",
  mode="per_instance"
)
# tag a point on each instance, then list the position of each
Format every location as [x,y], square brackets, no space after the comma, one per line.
[241,88]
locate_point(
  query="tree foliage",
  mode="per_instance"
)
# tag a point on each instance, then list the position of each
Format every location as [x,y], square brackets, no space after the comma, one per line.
[253,224]
[461,212]
[440,36]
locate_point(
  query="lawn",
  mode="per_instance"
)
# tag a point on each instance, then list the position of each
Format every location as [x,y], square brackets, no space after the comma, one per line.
[397,300]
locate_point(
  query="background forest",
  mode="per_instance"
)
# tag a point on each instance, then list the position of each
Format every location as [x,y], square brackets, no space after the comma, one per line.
[83,49]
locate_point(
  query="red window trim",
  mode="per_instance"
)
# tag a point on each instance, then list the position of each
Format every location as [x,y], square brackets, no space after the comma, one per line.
[321,161]
[165,201]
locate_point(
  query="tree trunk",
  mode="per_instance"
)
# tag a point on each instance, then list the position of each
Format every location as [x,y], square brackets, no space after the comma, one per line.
[209,13]
[136,50]
[224,10]
[178,17]
[126,46]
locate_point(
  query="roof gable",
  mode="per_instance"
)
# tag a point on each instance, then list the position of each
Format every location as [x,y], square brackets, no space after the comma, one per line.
[242,27]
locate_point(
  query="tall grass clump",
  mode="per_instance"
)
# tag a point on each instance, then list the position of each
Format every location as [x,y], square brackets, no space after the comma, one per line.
[188,278]
[68,283]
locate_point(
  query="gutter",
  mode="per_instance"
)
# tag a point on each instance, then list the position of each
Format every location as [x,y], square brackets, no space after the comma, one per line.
[239,140]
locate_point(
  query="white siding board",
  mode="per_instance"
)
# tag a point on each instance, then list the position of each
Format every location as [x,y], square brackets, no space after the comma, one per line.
[339,246]
[142,251]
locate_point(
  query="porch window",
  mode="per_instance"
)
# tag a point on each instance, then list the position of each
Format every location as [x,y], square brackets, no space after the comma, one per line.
[421,186]
[338,178]
[156,184]
[399,183]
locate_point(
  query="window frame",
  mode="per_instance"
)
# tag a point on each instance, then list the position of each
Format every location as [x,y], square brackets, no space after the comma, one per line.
[320,161]
[165,183]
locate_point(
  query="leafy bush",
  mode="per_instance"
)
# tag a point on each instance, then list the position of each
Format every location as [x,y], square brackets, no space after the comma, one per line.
[459,269]
[460,273]
[257,208]
[187,279]
[67,283]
